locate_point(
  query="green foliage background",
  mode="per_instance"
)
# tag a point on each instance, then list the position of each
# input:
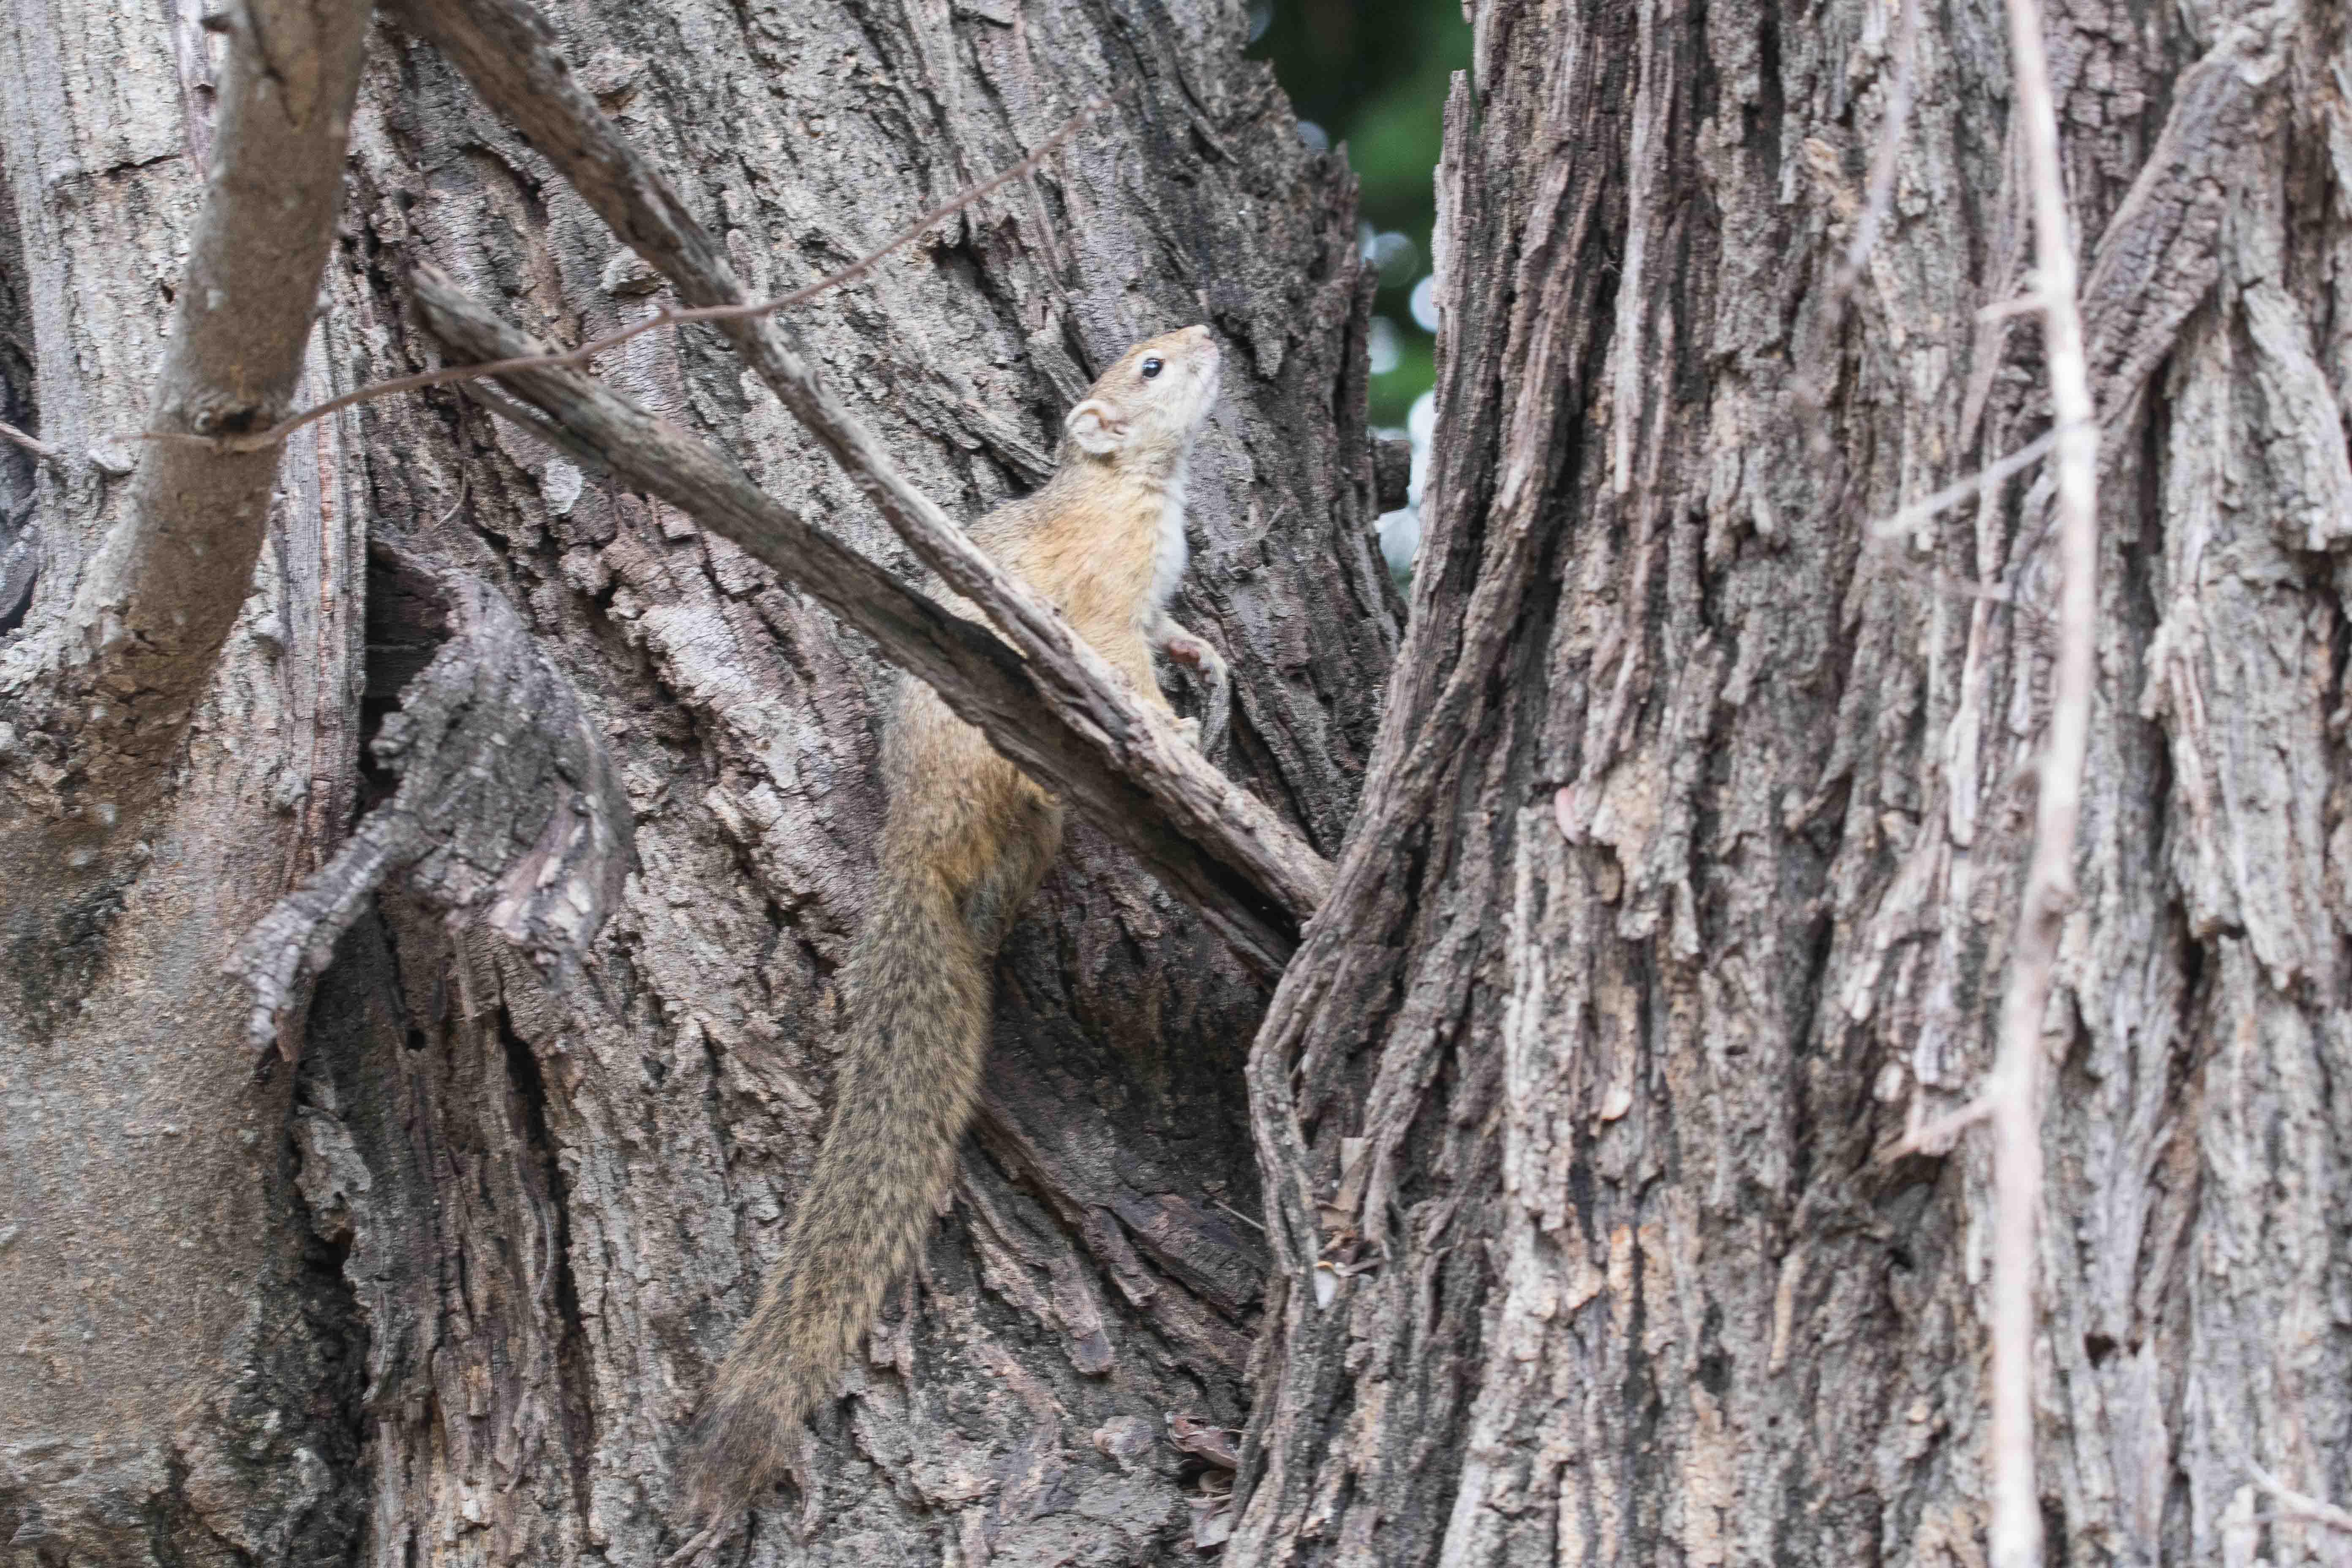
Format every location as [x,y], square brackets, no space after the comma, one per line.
[1373,74]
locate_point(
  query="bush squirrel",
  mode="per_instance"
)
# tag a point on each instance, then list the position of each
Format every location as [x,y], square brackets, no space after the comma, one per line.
[965,840]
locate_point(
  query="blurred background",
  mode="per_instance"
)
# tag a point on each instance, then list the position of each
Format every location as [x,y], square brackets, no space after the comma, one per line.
[1370,77]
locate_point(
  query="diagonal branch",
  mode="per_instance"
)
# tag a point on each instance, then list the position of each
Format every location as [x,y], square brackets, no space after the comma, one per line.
[508,52]
[2300,1506]
[1959,490]
[1200,850]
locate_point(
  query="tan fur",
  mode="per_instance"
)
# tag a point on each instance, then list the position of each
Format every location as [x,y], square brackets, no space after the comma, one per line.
[965,841]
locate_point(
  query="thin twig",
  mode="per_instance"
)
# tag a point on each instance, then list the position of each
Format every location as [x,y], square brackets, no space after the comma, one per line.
[1936,1137]
[668,316]
[2298,1505]
[2026,304]
[2015,1088]
[462,479]
[1958,490]
[1237,1213]
[41,450]
[1880,195]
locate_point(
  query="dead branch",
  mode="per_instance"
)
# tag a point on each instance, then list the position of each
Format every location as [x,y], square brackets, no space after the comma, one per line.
[2015,1090]
[584,356]
[1204,850]
[2300,1506]
[507,51]
[2162,251]
[1935,1137]
[1961,489]
[41,450]
[2029,302]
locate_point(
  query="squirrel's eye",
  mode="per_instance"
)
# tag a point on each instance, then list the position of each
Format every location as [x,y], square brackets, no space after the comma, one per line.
[1151,367]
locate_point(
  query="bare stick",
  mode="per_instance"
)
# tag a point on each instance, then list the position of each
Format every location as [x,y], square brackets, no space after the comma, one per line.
[508,52]
[1883,156]
[1958,490]
[1936,1137]
[2025,304]
[2298,1505]
[41,450]
[579,358]
[1237,1213]
[2015,1090]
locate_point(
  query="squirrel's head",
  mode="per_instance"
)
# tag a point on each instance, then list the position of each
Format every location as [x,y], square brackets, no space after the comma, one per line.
[1150,404]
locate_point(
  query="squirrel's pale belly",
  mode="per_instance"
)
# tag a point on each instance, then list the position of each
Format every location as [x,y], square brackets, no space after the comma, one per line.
[1172,554]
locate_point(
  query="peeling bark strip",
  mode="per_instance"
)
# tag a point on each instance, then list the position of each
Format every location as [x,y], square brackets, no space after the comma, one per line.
[2162,251]
[978,676]
[507,808]
[508,51]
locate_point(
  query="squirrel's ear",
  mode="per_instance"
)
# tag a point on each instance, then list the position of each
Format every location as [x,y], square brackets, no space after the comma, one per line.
[1096,428]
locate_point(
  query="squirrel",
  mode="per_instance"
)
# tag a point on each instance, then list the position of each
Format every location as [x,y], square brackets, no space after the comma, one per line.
[965,840]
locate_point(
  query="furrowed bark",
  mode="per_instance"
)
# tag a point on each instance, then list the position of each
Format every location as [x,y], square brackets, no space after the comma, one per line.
[508,52]
[1688,880]
[547,1213]
[979,677]
[1720,875]
[448,1286]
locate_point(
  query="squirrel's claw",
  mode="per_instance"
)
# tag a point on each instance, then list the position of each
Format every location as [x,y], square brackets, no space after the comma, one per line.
[1211,678]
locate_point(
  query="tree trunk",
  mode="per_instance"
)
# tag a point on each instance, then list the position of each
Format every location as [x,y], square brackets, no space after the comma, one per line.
[1690,851]
[1608,1217]
[448,1289]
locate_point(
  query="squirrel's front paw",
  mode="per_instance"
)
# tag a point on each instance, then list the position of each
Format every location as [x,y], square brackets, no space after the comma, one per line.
[1187,649]
[1190,729]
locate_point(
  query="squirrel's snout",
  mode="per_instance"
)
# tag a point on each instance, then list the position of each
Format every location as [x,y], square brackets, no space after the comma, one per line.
[1207,356]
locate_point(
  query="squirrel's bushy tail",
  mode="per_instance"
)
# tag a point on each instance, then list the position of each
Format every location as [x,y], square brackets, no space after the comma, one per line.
[917,991]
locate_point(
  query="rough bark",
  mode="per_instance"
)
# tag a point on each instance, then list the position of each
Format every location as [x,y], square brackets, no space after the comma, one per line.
[1682,891]
[448,1287]
[1688,864]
